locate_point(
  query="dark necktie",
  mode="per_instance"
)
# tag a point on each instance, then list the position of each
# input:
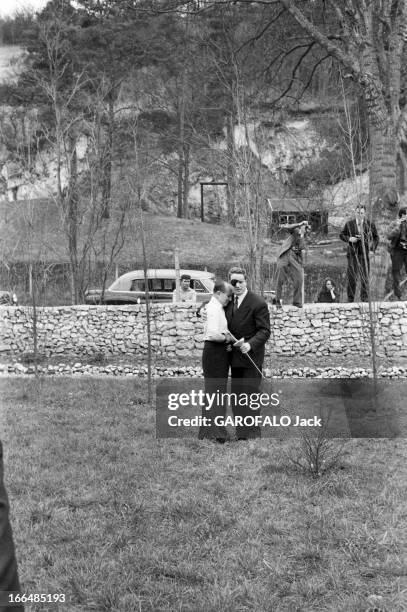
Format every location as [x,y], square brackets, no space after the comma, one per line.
[235,304]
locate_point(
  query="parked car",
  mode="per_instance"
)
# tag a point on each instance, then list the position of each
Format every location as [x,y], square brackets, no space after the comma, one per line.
[8,298]
[130,287]
[269,295]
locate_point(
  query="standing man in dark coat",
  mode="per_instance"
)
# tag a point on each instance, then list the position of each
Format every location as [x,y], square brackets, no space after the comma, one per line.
[397,235]
[248,319]
[361,236]
[8,566]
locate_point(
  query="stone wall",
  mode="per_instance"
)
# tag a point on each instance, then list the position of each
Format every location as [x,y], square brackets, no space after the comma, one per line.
[318,329]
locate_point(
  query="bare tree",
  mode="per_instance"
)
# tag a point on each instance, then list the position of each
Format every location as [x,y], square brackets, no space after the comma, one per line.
[371,317]
[368,38]
[62,94]
[140,181]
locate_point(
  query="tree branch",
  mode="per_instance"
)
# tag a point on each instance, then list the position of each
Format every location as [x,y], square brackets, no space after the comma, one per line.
[323,40]
[308,83]
[368,80]
[297,65]
[283,55]
[263,31]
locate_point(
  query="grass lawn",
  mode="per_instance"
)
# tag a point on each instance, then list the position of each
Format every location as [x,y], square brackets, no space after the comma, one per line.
[120,521]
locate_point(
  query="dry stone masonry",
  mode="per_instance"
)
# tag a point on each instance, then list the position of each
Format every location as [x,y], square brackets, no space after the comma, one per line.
[317,329]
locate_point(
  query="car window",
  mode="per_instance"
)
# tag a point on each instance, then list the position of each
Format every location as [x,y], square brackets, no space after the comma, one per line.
[137,284]
[169,285]
[207,285]
[199,287]
[155,284]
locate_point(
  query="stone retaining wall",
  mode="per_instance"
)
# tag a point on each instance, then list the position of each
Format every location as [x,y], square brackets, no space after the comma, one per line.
[318,329]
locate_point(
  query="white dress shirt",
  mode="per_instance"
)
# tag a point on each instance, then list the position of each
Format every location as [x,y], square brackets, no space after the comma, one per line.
[240,298]
[184,296]
[215,323]
[359,225]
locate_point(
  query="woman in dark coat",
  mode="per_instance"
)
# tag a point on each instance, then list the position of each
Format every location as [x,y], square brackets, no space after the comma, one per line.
[328,292]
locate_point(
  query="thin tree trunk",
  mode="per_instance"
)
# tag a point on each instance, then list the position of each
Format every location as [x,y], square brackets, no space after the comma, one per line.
[107,162]
[259,257]
[35,328]
[180,182]
[72,211]
[185,190]
[148,306]
[181,147]
[230,171]
[183,172]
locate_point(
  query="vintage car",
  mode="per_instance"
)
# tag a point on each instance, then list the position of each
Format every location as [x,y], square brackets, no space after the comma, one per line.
[8,298]
[130,287]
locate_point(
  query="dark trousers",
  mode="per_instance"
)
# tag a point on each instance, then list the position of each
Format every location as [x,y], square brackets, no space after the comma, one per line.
[8,565]
[358,266]
[215,365]
[398,260]
[245,381]
[289,266]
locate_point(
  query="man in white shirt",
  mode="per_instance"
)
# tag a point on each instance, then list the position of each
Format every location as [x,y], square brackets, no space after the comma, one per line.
[186,294]
[215,360]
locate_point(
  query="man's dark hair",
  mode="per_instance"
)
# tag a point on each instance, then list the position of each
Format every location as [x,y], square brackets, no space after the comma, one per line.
[236,270]
[220,285]
[402,211]
[185,277]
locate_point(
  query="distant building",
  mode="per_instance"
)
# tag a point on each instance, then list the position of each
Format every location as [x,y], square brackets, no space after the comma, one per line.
[295,210]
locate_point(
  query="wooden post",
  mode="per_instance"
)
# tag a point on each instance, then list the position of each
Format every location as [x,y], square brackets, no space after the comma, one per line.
[177,275]
[202,203]
[30,279]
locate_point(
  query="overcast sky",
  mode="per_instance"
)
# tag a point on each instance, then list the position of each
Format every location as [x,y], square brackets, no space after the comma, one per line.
[8,7]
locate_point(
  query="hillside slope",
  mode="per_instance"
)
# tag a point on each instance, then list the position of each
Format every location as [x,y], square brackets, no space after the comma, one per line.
[33,230]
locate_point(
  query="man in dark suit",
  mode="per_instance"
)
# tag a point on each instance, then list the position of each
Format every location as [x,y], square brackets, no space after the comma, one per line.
[361,236]
[397,235]
[248,320]
[8,566]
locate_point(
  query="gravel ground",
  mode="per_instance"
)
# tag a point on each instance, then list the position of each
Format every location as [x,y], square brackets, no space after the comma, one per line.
[123,369]
[335,366]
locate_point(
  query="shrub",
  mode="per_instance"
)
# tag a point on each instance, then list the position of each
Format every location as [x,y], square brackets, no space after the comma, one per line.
[317,453]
